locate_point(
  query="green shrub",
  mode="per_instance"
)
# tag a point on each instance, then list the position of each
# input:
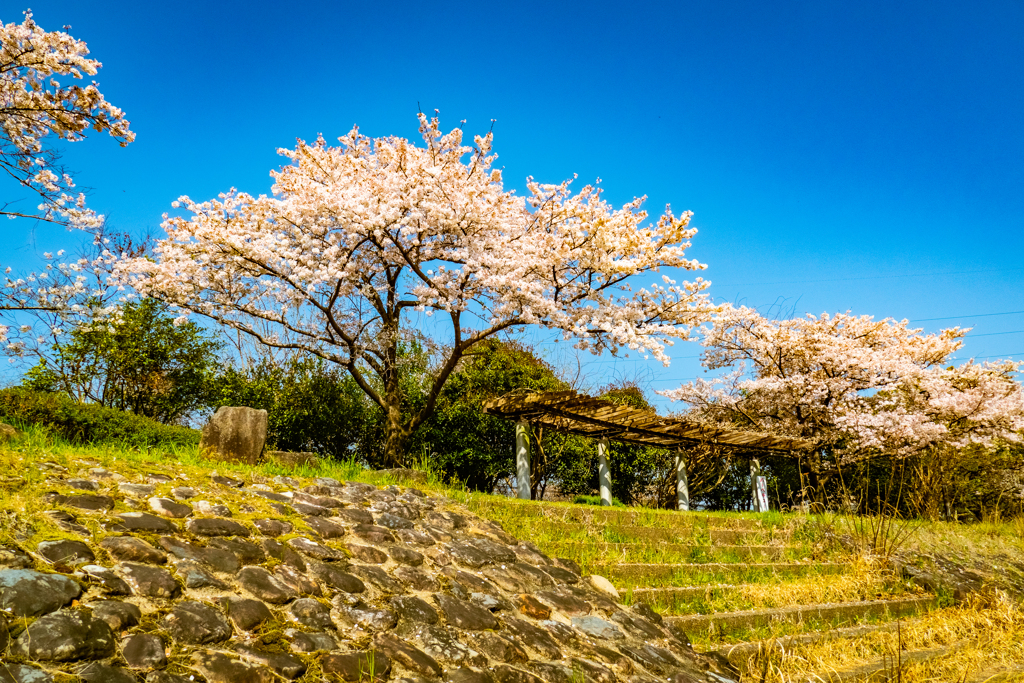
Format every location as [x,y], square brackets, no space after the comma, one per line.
[88,423]
[596,500]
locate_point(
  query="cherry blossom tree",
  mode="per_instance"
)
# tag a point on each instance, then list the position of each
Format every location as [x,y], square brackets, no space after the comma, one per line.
[861,387]
[359,237]
[36,108]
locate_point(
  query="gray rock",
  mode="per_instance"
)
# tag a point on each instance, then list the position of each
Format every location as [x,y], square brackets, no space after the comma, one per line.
[97,672]
[168,508]
[414,609]
[405,556]
[462,614]
[598,628]
[314,549]
[144,651]
[13,557]
[324,527]
[246,614]
[391,521]
[417,537]
[83,484]
[534,638]
[366,666]
[28,593]
[215,558]
[65,553]
[131,549]
[157,477]
[352,516]
[135,490]
[85,501]
[164,677]
[246,552]
[366,553]
[406,655]
[196,624]
[364,616]
[205,507]
[310,642]
[219,667]
[23,673]
[65,636]
[184,492]
[109,582]
[265,586]
[284,665]
[443,644]
[144,522]
[377,535]
[500,648]
[118,615]
[235,434]
[226,481]
[215,526]
[311,613]
[416,579]
[465,674]
[67,522]
[272,527]
[150,582]
[194,575]
[377,577]
[302,584]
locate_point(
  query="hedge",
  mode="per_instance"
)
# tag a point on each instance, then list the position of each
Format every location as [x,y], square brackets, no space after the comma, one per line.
[82,423]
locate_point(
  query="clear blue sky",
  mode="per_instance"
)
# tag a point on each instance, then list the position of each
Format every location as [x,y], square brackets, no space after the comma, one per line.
[863,155]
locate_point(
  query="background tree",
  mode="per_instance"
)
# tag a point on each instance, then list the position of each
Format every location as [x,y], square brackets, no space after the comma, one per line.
[312,406]
[862,388]
[360,235]
[145,362]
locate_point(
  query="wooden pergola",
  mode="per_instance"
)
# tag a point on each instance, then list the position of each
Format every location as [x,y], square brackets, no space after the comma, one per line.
[574,413]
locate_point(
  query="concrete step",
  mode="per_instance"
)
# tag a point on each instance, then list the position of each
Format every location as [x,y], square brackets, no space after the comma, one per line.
[593,514]
[739,653]
[885,669]
[829,613]
[626,533]
[627,576]
[671,552]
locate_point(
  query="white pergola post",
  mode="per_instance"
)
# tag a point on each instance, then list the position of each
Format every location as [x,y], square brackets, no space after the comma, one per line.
[523,478]
[755,472]
[682,483]
[604,475]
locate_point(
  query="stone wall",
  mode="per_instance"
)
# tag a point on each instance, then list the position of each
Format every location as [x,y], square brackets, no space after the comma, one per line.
[168,580]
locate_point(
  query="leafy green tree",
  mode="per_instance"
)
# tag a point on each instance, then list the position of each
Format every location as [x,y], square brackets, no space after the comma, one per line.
[143,362]
[462,441]
[312,406]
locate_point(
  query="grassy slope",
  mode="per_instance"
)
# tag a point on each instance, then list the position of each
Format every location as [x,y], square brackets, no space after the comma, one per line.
[988,631]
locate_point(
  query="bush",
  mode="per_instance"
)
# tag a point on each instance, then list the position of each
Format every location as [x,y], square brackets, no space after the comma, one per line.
[87,422]
[596,500]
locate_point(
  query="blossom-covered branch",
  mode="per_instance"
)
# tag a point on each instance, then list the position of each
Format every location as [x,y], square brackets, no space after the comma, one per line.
[36,108]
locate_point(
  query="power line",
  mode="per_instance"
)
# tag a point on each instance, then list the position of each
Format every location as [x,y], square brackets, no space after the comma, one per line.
[957,317]
[993,334]
[869,277]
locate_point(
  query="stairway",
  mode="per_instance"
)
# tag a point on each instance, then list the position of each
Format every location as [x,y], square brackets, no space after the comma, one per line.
[753,590]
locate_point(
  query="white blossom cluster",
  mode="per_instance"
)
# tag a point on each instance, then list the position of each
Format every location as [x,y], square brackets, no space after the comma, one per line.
[862,387]
[35,107]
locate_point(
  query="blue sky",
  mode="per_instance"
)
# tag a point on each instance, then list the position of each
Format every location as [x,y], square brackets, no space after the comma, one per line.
[862,156]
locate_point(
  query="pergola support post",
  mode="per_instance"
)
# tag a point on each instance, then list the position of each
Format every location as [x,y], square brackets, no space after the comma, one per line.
[757,503]
[604,475]
[523,476]
[682,483]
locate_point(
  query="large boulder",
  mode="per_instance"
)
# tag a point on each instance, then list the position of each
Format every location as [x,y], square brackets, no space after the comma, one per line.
[235,434]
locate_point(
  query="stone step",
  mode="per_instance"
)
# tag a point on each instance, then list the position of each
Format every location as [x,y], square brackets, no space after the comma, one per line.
[739,653]
[671,552]
[636,516]
[750,619]
[624,533]
[641,575]
[885,669]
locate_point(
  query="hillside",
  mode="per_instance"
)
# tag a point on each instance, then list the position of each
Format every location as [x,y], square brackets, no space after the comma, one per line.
[159,565]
